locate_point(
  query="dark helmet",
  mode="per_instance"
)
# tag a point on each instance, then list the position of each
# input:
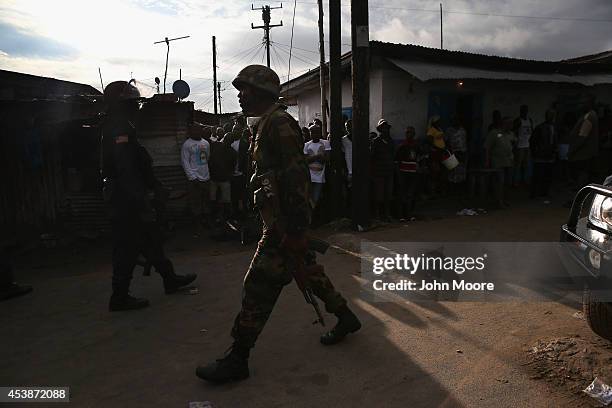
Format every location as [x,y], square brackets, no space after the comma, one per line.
[260,77]
[120,91]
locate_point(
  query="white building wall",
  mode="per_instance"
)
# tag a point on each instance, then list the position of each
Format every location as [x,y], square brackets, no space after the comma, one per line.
[309,102]
[404,100]
[404,103]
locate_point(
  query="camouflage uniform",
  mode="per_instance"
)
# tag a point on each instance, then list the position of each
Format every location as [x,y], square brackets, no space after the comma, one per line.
[277,146]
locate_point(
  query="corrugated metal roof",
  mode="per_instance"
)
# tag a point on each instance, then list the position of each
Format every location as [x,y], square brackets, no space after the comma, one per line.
[425,71]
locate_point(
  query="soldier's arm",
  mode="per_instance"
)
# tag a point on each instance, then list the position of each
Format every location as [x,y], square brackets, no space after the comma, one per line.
[293,176]
[128,177]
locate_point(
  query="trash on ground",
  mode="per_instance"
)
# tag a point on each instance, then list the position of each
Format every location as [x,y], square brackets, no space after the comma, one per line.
[579,315]
[201,404]
[459,351]
[467,211]
[193,291]
[571,362]
[600,391]
[203,330]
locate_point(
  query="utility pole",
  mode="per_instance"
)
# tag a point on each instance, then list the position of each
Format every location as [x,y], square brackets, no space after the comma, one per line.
[265,16]
[441,29]
[219,95]
[360,65]
[322,72]
[167,42]
[335,106]
[101,83]
[214,49]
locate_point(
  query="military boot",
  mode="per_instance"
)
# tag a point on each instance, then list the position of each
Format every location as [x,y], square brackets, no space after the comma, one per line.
[347,323]
[233,367]
[172,281]
[126,302]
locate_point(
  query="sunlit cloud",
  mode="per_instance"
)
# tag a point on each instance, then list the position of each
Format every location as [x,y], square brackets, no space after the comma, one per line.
[70,39]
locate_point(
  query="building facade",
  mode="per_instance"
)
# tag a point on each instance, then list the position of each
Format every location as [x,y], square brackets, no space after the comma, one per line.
[409,84]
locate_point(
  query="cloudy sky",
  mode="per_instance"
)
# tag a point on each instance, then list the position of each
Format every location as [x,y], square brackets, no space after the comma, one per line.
[70,39]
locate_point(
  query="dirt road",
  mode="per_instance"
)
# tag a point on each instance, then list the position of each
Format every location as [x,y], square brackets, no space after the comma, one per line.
[440,354]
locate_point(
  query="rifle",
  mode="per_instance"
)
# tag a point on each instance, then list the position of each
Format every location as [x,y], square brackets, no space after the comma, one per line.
[301,273]
[266,200]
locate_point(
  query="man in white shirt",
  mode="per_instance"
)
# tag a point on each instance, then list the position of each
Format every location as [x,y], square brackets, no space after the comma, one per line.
[195,155]
[523,128]
[317,152]
[347,148]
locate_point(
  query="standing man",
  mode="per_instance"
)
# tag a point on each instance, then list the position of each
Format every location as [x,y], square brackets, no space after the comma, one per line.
[406,159]
[347,149]
[280,183]
[456,138]
[543,151]
[523,128]
[128,180]
[240,145]
[8,288]
[498,146]
[382,154]
[317,155]
[222,164]
[584,145]
[195,155]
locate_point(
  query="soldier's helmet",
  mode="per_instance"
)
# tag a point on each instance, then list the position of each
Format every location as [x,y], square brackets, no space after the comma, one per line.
[260,77]
[118,91]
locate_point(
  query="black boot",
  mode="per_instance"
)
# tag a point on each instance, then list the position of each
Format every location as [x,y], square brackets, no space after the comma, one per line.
[233,367]
[172,281]
[347,323]
[14,290]
[176,282]
[126,302]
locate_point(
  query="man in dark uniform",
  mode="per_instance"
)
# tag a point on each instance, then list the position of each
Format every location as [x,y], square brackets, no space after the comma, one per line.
[8,288]
[128,181]
[280,185]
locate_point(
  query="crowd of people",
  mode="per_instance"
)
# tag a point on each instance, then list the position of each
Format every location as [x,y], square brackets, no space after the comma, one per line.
[515,152]
[215,161]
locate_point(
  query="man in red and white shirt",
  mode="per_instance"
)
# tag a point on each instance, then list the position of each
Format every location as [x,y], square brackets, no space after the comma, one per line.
[406,159]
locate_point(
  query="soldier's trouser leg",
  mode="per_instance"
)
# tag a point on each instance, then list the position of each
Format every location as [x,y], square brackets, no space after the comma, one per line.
[6,271]
[323,288]
[263,282]
[153,248]
[127,237]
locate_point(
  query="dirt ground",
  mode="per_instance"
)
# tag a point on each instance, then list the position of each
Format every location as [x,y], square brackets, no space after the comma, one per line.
[435,354]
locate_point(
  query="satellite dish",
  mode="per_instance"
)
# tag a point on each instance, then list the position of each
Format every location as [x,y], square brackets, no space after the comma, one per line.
[180,89]
[157,80]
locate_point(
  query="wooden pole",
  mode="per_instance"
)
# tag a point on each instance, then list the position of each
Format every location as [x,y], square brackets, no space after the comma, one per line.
[441,28]
[214,50]
[322,72]
[360,65]
[336,127]
[101,83]
[219,95]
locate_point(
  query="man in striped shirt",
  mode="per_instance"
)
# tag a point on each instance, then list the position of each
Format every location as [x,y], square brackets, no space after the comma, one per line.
[406,160]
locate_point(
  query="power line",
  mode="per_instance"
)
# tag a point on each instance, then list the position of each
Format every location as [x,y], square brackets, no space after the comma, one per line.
[291,47]
[297,55]
[475,13]
[299,58]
